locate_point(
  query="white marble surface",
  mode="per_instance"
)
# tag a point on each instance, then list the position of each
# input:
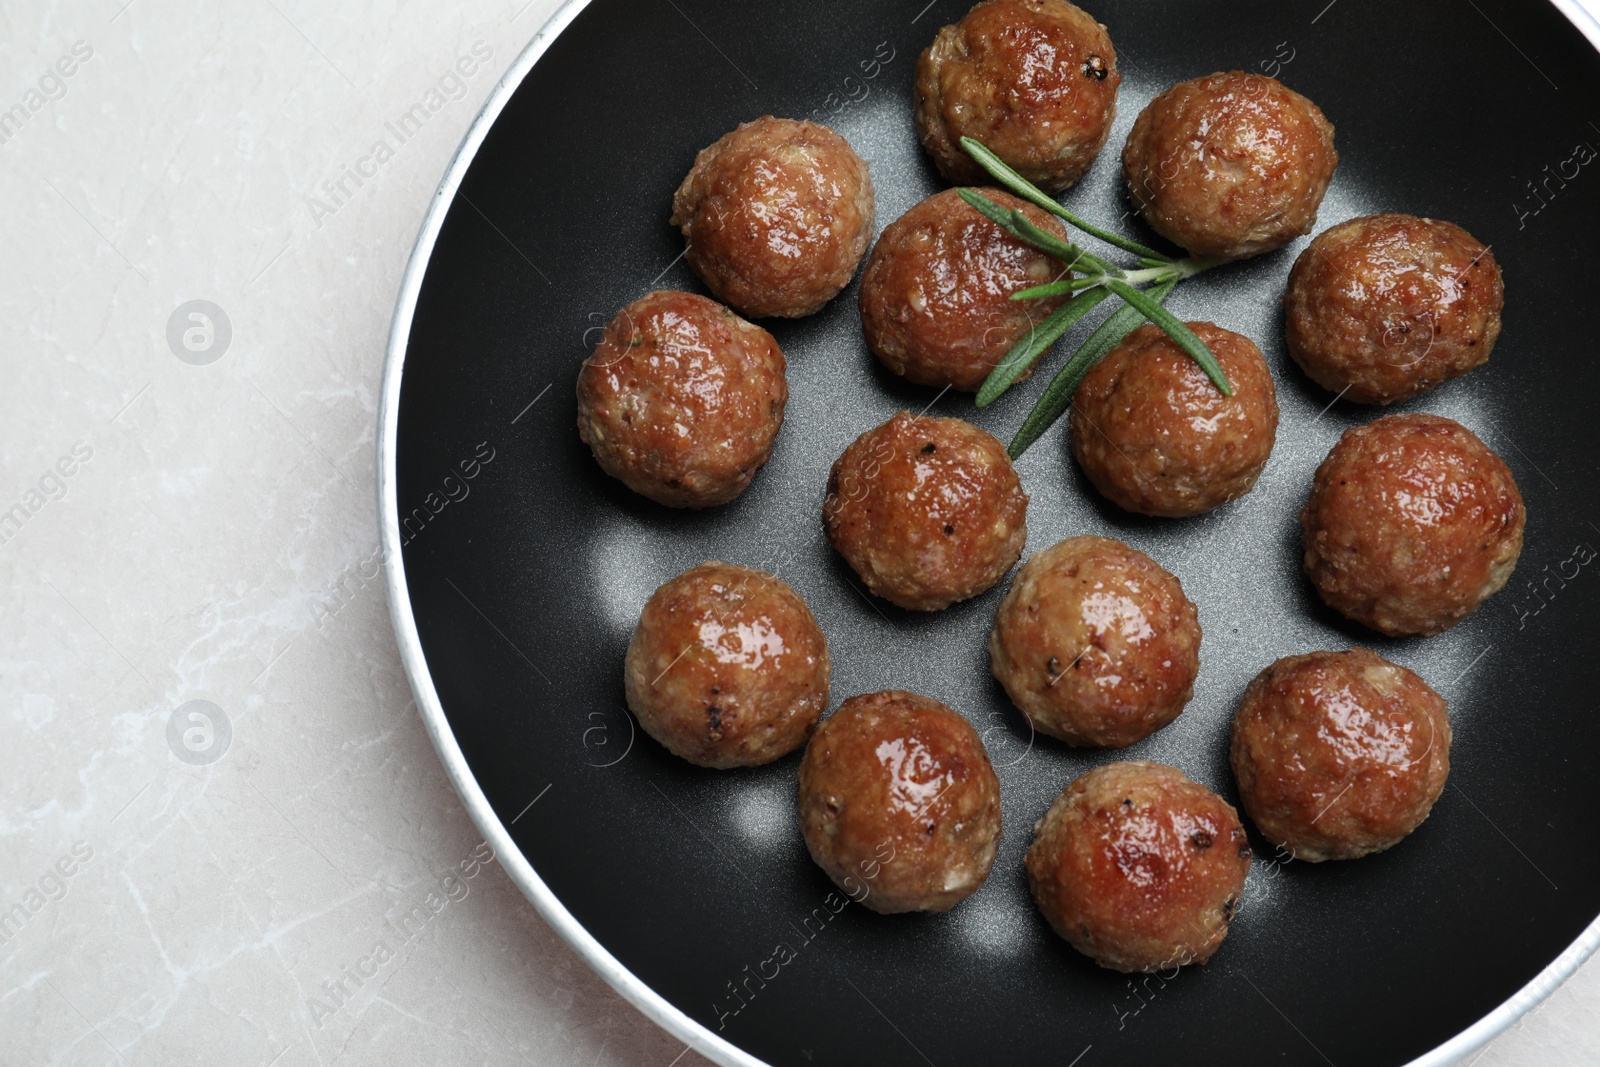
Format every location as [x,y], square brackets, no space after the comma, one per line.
[206,531]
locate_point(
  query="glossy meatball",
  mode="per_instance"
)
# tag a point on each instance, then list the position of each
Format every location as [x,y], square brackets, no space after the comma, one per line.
[899,804]
[935,297]
[1412,521]
[1138,867]
[777,215]
[1156,436]
[1339,754]
[1230,165]
[928,511]
[1096,643]
[1385,307]
[727,667]
[682,399]
[1034,80]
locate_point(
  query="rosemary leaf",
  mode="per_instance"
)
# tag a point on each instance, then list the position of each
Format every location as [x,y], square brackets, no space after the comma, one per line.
[1057,396]
[1061,288]
[986,207]
[1028,191]
[1046,240]
[1176,330]
[1040,337]
[1037,238]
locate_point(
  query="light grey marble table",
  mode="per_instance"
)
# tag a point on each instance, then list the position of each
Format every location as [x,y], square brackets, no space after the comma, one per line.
[260,877]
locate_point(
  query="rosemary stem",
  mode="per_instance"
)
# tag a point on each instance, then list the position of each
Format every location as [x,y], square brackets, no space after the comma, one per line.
[1192,265]
[1150,275]
[1177,271]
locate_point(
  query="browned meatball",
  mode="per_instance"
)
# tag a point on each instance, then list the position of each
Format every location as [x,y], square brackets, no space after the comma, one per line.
[777,214]
[682,399]
[727,667]
[1156,436]
[935,297]
[899,804]
[1412,521]
[928,511]
[1388,306]
[1034,80]
[1139,867]
[1096,643]
[1339,754]
[1230,165]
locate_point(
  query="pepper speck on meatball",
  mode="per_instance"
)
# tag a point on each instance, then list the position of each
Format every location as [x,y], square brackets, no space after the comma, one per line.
[928,511]
[777,215]
[1339,754]
[1230,165]
[1156,436]
[935,296]
[727,667]
[1412,522]
[1096,643]
[1034,80]
[1138,867]
[1386,307]
[899,803]
[682,399]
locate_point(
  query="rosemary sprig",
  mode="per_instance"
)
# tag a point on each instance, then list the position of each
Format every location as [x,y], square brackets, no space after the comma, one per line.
[1100,279]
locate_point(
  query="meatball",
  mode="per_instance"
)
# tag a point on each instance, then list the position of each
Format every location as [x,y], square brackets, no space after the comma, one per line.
[928,511]
[1230,165]
[777,215]
[899,804]
[727,667]
[1339,754]
[1138,867]
[1034,80]
[1412,521]
[1156,436]
[935,297]
[1096,643]
[1388,306]
[682,399]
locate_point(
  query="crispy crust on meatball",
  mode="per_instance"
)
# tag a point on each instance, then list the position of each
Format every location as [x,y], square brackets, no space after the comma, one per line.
[1385,307]
[1034,80]
[1155,436]
[928,511]
[1230,165]
[935,296]
[682,399]
[1096,643]
[727,667]
[899,803]
[1339,754]
[1138,867]
[1412,522]
[777,215]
